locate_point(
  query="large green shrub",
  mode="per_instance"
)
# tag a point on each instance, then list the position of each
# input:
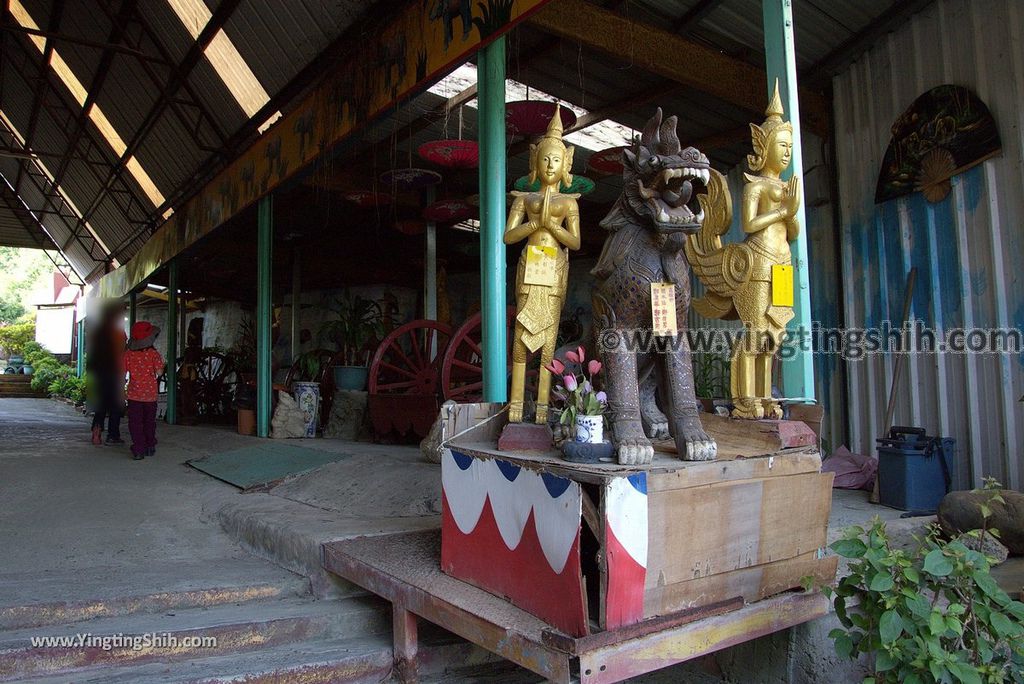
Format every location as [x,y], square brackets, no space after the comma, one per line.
[13,338]
[934,615]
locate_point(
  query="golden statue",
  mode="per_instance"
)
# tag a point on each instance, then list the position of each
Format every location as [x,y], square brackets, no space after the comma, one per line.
[543,271]
[752,280]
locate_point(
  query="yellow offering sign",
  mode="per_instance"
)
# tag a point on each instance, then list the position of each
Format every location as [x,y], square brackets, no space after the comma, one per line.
[782,285]
[663,309]
[540,265]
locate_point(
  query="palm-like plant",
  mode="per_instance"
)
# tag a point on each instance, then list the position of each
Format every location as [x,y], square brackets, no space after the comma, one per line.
[358,321]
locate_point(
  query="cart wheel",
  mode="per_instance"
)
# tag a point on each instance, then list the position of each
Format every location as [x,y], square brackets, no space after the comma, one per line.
[462,370]
[408,360]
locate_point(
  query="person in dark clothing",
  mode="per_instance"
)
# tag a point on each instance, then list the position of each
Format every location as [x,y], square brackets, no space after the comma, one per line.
[105,365]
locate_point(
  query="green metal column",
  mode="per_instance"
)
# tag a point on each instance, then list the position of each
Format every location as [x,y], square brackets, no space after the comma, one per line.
[172,342]
[265,229]
[132,313]
[780,61]
[80,348]
[491,122]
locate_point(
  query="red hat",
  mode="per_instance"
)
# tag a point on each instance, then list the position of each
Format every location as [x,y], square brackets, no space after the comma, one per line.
[143,335]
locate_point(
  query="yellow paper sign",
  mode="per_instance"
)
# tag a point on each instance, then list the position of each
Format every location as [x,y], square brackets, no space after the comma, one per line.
[782,285]
[540,265]
[663,309]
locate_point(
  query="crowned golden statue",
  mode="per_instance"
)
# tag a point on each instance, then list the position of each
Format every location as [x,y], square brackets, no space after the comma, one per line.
[753,280]
[551,229]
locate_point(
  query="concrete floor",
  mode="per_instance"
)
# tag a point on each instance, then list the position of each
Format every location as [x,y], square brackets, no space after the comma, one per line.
[82,522]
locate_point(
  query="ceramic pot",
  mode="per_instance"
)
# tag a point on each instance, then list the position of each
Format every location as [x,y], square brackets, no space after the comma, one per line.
[350,377]
[307,396]
[590,429]
[246,422]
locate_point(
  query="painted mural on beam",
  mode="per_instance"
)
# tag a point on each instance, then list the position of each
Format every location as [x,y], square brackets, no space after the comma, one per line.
[412,49]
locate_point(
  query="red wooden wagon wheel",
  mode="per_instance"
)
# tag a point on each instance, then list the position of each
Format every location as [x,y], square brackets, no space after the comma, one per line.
[462,371]
[408,360]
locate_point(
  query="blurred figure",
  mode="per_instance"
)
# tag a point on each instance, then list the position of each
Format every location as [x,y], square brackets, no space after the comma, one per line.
[105,364]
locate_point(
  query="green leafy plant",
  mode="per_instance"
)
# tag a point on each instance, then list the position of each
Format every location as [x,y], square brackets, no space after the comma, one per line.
[243,352]
[358,322]
[933,615]
[711,376]
[308,367]
[13,338]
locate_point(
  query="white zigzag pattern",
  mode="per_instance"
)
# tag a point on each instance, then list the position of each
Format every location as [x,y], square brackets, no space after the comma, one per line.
[627,517]
[557,519]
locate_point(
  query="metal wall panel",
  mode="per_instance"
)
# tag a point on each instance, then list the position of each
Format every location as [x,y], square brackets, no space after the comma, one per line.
[967,248]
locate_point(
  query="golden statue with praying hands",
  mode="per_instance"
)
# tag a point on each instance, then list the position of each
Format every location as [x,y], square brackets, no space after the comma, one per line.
[551,229]
[753,280]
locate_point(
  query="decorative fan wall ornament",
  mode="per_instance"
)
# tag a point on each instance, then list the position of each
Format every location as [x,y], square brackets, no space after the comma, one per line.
[451,154]
[410,179]
[944,132]
[581,185]
[531,117]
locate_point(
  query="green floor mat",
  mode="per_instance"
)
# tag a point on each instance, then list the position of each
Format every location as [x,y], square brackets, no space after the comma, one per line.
[262,465]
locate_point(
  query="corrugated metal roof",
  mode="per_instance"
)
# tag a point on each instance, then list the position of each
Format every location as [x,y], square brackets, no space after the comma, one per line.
[967,248]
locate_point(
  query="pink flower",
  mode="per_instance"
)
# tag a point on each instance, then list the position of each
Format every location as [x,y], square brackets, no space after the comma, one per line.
[570,382]
[601,397]
[556,367]
[594,367]
[581,354]
[573,356]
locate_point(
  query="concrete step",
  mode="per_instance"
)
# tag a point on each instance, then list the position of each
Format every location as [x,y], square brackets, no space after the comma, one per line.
[26,598]
[443,658]
[237,629]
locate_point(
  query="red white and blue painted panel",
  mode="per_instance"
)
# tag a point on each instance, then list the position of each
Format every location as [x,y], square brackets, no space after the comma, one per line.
[625,502]
[516,533]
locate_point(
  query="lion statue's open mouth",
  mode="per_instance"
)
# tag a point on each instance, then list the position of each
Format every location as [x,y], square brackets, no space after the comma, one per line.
[672,195]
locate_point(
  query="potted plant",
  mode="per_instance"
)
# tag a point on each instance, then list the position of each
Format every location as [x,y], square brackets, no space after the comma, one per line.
[583,406]
[306,389]
[358,322]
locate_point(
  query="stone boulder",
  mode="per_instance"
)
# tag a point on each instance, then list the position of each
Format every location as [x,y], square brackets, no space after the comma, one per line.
[961,512]
[288,421]
[348,415]
[430,446]
[988,545]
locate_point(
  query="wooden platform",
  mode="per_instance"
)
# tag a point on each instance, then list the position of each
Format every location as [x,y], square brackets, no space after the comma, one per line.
[404,569]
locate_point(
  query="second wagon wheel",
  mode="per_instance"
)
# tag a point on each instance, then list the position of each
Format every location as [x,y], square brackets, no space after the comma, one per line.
[408,360]
[215,380]
[462,371]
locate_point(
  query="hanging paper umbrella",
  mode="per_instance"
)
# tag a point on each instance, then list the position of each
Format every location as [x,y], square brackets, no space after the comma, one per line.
[367,198]
[451,154]
[606,162]
[581,185]
[448,211]
[531,117]
[410,226]
[410,179]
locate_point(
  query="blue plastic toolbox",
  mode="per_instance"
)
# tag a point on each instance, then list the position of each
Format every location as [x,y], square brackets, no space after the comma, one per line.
[914,469]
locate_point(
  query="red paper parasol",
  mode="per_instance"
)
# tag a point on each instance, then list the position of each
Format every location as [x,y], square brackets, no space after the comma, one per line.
[531,117]
[448,211]
[367,198]
[410,179]
[410,226]
[607,162]
[451,154]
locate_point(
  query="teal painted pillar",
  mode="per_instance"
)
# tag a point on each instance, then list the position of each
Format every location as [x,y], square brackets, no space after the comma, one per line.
[780,62]
[265,230]
[172,343]
[80,348]
[132,312]
[491,125]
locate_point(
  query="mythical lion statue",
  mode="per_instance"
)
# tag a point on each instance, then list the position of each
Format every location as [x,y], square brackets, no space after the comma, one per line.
[663,200]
